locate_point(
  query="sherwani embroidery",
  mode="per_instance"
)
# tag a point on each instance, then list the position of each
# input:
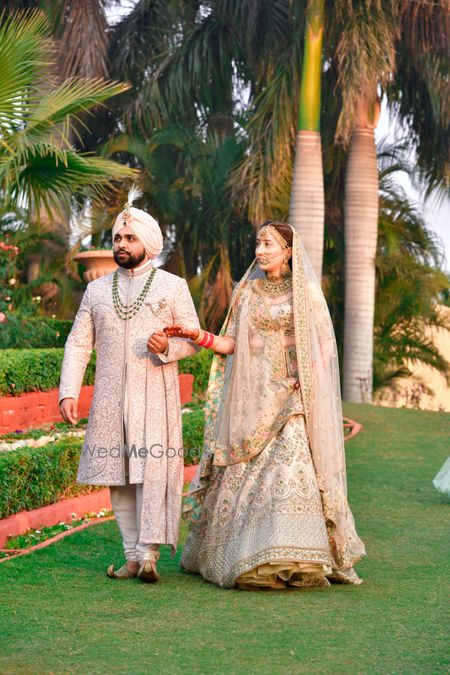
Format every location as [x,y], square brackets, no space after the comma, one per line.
[127,373]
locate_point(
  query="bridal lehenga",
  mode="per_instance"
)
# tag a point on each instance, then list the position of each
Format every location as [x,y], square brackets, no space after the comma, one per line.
[268,506]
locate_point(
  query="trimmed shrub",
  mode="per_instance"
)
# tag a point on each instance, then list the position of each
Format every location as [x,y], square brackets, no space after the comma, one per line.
[35,477]
[193,426]
[33,332]
[199,366]
[23,370]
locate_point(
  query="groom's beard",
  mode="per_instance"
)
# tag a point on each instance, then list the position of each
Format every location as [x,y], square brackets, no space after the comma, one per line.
[129,261]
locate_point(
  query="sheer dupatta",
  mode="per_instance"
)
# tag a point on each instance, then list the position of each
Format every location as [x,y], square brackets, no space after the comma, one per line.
[320,384]
[233,400]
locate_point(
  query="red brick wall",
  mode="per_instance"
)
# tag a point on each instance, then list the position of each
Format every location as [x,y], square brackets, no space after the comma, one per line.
[36,408]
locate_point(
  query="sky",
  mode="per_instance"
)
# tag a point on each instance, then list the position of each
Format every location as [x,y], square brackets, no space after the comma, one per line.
[436,212]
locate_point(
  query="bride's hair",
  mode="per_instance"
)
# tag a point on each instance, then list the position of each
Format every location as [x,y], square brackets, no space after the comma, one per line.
[283,228]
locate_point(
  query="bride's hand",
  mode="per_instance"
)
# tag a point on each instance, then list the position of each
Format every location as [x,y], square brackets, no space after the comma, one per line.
[181,331]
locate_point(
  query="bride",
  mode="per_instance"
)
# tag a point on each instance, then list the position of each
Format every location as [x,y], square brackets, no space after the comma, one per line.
[269,500]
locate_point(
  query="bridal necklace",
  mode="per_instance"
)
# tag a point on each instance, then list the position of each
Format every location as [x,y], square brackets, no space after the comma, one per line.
[276,286]
[128,311]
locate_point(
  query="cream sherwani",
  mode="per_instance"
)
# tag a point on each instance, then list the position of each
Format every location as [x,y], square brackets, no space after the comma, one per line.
[134,390]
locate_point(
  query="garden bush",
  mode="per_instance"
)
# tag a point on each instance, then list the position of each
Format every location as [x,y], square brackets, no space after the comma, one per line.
[34,477]
[24,370]
[199,366]
[193,426]
[33,332]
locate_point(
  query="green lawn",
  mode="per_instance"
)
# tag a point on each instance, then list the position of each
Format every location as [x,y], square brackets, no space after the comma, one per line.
[60,613]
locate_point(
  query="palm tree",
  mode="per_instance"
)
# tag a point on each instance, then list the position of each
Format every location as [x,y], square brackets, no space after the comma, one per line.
[419,93]
[364,58]
[361,230]
[196,143]
[307,208]
[80,30]
[363,41]
[365,50]
[410,283]
[370,39]
[37,163]
[410,286]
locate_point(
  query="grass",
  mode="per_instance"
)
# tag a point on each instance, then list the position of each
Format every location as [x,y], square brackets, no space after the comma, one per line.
[35,536]
[60,613]
[46,430]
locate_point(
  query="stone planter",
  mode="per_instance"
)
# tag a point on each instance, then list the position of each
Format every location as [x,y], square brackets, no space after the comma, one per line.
[98,262]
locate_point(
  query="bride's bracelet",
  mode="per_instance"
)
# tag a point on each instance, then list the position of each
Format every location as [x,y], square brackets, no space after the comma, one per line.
[205,339]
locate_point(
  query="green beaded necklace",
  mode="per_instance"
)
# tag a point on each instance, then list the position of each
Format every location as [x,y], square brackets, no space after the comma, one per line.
[128,311]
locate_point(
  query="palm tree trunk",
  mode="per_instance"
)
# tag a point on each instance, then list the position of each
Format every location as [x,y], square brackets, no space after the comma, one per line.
[361,229]
[307,208]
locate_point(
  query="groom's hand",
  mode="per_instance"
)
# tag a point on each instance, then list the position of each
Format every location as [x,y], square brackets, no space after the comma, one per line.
[157,342]
[69,410]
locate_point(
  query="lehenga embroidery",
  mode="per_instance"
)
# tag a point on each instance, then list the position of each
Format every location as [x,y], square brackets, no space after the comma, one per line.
[271,491]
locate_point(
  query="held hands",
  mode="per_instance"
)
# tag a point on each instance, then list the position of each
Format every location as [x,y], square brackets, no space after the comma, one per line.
[158,342]
[69,410]
[179,331]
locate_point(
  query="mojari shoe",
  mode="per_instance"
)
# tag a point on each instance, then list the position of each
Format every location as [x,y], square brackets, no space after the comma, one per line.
[122,573]
[147,571]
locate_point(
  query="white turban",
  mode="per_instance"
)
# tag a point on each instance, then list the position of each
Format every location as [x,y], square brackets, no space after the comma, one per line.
[144,227]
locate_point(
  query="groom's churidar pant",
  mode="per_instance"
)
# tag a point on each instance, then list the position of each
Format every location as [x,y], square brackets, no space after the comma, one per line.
[126,501]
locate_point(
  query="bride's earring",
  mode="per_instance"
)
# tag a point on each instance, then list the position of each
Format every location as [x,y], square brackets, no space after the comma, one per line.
[285,270]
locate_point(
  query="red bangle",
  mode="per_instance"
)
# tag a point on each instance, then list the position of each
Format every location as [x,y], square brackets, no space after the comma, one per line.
[211,340]
[205,340]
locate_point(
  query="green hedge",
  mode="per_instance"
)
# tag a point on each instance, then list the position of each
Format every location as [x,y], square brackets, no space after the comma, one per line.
[33,332]
[34,477]
[199,365]
[193,426]
[24,370]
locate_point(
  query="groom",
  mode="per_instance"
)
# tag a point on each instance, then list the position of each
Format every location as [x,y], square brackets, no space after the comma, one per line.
[133,440]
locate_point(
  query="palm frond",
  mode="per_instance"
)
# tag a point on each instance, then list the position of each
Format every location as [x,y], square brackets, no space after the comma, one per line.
[261,184]
[419,93]
[25,49]
[410,282]
[201,69]
[37,162]
[55,111]
[143,37]
[364,54]
[48,176]
[415,347]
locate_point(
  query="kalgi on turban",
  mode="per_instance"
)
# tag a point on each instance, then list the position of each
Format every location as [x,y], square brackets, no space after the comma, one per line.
[143,225]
